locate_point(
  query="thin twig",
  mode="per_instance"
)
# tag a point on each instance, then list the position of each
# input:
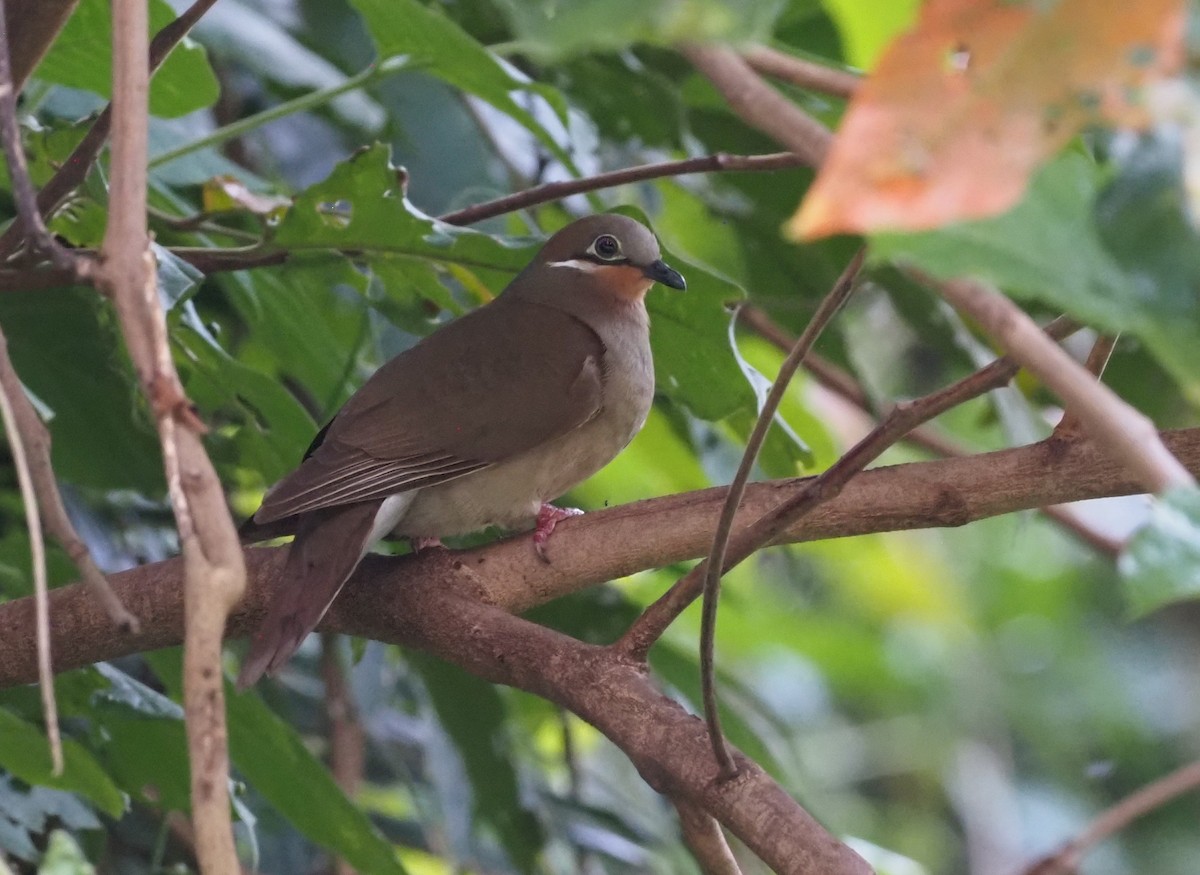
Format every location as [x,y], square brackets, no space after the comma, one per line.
[1113,820]
[1128,435]
[828,308]
[705,840]
[844,385]
[72,172]
[1070,426]
[759,104]
[808,75]
[35,229]
[553,191]
[649,627]
[37,548]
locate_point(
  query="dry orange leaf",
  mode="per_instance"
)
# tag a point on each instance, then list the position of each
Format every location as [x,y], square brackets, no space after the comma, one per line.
[963,108]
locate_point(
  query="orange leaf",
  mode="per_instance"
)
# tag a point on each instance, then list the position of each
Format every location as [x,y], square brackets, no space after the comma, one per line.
[964,107]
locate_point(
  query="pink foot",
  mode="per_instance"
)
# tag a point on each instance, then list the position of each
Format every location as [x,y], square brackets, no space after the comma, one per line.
[548,517]
[419,544]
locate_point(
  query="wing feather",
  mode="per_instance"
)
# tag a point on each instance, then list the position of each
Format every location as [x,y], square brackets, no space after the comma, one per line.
[489,386]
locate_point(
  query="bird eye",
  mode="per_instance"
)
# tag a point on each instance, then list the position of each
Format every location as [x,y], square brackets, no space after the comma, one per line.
[607,247]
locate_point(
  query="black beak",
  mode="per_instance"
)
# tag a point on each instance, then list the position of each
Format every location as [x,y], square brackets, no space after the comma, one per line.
[668,276]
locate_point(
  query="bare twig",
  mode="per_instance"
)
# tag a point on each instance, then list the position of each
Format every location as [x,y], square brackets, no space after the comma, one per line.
[552,191]
[704,839]
[759,104]
[844,385]
[713,566]
[1127,434]
[214,564]
[804,74]
[1113,820]
[26,200]
[37,548]
[648,628]
[75,168]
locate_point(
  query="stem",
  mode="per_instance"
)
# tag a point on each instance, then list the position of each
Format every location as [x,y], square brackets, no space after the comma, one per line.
[305,102]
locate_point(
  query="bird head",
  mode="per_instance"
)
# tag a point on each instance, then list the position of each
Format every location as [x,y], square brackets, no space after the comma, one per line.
[607,252]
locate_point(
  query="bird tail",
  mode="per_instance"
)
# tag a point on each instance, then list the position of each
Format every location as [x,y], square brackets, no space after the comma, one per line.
[328,547]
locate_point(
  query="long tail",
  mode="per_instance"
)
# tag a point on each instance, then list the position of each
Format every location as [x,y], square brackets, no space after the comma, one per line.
[328,547]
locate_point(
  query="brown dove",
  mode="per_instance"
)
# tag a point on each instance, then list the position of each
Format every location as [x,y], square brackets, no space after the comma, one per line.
[482,423]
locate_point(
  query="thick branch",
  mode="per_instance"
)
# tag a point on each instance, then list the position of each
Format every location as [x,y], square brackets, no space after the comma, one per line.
[605,544]
[453,604]
[808,75]
[33,26]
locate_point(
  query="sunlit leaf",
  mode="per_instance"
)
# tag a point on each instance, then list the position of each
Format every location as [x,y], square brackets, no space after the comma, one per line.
[983,84]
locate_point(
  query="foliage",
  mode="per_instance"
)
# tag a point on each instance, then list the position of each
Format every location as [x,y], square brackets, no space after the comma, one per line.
[938,695]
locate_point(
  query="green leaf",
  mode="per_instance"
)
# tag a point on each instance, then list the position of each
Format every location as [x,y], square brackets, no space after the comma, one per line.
[69,354]
[867,27]
[550,31]
[361,206]
[81,57]
[245,38]
[474,716]
[272,757]
[1161,562]
[25,753]
[433,41]
[1025,253]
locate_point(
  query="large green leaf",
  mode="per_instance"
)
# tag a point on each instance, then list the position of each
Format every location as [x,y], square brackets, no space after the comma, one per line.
[553,30]
[272,757]
[431,40]
[1161,562]
[473,714]
[81,57]
[69,354]
[25,753]
[1049,249]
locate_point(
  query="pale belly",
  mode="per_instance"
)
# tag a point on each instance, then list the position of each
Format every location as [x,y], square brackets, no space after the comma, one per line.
[509,495]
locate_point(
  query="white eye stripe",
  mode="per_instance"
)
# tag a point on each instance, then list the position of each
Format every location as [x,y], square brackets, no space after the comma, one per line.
[577,264]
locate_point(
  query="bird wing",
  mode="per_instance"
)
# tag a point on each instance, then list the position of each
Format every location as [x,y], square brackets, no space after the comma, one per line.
[487,387]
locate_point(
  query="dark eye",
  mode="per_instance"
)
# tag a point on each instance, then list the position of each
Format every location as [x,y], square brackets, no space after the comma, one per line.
[606,247]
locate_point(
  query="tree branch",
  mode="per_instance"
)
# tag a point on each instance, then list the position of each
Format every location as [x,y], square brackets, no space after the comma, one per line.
[759,104]
[844,385]
[801,73]
[454,604]
[553,191]
[1126,433]
[1113,820]
[902,418]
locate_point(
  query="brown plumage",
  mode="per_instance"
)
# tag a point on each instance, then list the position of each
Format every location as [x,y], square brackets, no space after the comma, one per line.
[481,423]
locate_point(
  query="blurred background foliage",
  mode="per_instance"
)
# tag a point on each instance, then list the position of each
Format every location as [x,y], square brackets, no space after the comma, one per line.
[956,701]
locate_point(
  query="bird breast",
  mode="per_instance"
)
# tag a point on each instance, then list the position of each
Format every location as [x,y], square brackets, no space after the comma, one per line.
[509,493]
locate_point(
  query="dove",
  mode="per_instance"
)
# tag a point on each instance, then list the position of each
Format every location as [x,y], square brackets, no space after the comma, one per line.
[482,423]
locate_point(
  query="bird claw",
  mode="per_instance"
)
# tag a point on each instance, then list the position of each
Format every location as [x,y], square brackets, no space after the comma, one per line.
[419,544]
[548,517]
